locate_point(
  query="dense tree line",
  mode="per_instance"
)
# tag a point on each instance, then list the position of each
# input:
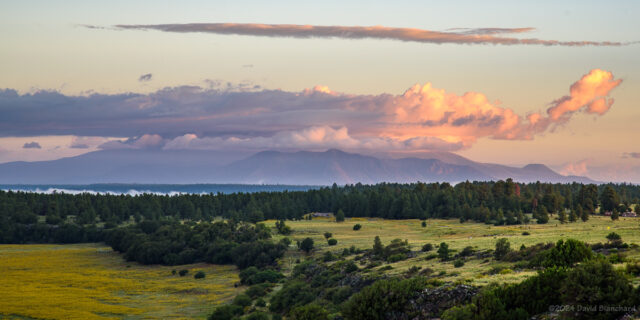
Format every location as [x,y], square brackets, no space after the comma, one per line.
[171,243]
[36,217]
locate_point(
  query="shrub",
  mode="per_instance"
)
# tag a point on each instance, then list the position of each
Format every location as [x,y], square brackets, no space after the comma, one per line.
[595,282]
[506,271]
[199,275]
[261,303]
[258,315]
[332,242]
[293,294]
[431,256]
[340,216]
[242,300]
[357,227]
[564,254]
[467,251]
[328,235]
[526,233]
[252,275]
[427,247]
[173,272]
[383,299]
[183,272]
[633,268]
[226,312]
[328,256]
[306,245]
[310,311]
[458,263]
[258,290]
[424,224]
[396,257]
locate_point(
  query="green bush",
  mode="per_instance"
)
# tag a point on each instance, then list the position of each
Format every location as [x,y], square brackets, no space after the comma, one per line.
[332,242]
[396,257]
[226,312]
[293,294]
[458,263]
[597,283]
[383,299]
[242,300]
[258,290]
[310,311]
[306,245]
[258,315]
[563,254]
[357,227]
[183,272]
[427,247]
[633,268]
[199,275]
[467,251]
[252,275]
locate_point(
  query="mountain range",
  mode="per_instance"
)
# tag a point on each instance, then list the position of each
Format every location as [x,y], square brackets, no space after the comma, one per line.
[266,167]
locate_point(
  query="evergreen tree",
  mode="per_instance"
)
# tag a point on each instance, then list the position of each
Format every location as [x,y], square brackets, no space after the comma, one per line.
[562,216]
[443,251]
[573,216]
[584,214]
[340,216]
[609,199]
[542,215]
[378,248]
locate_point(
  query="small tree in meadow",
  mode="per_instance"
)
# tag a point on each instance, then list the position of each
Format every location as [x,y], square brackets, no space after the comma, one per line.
[443,252]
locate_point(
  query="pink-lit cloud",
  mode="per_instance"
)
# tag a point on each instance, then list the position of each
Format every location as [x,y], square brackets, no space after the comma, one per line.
[579,168]
[456,36]
[422,118]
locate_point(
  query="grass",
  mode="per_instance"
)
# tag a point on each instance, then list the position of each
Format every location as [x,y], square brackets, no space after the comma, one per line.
[457,235]
[90,281]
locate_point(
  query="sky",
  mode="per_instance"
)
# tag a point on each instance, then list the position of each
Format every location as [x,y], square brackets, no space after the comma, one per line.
[553,82]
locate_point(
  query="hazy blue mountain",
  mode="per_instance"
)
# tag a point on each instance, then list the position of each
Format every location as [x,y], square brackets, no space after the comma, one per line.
[267,167]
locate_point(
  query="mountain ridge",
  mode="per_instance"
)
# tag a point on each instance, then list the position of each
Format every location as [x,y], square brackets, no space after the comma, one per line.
[266,167]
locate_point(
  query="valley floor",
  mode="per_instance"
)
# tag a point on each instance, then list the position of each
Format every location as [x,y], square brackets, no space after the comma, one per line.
[91,281]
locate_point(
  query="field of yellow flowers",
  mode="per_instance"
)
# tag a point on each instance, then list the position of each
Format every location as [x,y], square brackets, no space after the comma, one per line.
[90,281]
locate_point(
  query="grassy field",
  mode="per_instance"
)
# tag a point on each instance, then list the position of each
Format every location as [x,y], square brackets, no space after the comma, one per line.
[458,235]
[90,281]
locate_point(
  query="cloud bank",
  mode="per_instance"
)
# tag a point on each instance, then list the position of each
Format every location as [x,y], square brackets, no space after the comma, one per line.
[456,36]
[422,118]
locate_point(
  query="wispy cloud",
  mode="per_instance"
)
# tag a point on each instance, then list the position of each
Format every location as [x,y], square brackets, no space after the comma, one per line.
[32,145]
[634,155]
[145,77]
[456,36]
[223,116]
